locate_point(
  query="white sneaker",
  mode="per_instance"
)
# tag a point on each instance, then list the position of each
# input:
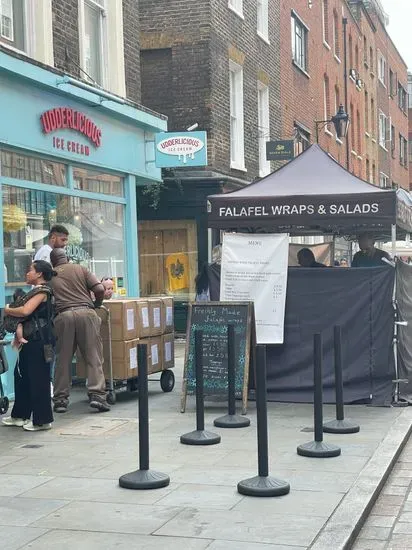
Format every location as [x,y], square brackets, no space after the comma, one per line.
[10,421]
[30,427]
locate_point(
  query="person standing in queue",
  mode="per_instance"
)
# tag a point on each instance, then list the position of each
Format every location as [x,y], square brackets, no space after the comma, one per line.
[58,238]
[369,255]
[77,325]
[107,282]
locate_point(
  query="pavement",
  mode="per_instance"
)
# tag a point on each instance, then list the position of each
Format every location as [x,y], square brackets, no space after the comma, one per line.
[389,525]
[60,488]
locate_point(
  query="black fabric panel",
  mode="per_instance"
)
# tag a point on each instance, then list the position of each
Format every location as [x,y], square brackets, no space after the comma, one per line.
[360,301]
[404,298]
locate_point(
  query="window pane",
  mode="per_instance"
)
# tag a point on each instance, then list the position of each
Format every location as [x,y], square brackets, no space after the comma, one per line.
[25,167]
[96,237]
[12,23]
[168,258]
[92,42]
[98,182]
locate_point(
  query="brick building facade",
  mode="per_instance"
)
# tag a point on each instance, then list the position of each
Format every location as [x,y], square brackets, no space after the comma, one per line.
[186,64]
[314,83]
[119,52]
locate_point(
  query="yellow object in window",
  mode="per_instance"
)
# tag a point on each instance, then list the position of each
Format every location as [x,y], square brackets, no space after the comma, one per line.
[177,267]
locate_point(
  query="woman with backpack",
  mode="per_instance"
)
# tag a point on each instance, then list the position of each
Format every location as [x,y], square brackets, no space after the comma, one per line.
[32,371]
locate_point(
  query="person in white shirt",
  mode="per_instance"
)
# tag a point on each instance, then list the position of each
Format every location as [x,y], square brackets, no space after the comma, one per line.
[58,237]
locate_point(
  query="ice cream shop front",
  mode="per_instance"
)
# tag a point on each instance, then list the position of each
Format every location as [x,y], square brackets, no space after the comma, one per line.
[70,154]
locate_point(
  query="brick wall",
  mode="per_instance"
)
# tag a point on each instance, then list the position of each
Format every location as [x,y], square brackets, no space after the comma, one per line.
[303,93]
[66,35]
[194,42]
[131,49]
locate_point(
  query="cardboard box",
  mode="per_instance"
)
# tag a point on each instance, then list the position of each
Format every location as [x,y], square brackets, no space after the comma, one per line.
[168,345]
[143,318]
[123,320]
[155,316]
[124,359]
[168,322]
[154,354]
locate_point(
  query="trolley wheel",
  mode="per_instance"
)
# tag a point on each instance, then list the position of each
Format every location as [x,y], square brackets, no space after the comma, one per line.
[4,405]
[167,380]
[111,398]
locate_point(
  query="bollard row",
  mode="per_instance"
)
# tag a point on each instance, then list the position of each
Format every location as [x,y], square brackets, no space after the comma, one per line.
[262,484]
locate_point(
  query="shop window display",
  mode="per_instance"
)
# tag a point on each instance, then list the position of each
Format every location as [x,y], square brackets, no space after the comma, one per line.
[168,258]
[96,231]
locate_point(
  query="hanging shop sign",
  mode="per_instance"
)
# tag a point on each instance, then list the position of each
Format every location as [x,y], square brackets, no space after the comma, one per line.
[66,118]
[181,149]
[280,150]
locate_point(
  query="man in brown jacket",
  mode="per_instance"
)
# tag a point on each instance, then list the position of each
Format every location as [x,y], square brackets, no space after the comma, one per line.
[77,325]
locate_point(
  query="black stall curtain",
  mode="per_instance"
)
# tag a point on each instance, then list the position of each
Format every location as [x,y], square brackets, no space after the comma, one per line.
[360,301]
[404,299]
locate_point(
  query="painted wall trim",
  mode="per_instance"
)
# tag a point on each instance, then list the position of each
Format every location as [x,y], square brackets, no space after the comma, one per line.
[130,239]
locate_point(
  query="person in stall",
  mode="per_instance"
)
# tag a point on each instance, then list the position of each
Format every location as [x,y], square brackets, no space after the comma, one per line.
[369,255]
[306,258]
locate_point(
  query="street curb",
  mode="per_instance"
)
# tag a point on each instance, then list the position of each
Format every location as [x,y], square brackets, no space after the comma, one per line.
[342,528]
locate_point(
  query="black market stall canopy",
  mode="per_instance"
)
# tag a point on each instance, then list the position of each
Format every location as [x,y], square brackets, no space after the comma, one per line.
[312,194]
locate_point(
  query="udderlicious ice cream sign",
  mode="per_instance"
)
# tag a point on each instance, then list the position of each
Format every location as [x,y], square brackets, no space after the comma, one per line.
[62,118]
[322,211]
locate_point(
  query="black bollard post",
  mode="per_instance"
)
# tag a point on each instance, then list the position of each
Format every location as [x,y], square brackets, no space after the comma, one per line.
[231,420]
[143,478]
[262,485]
[200,436]
[340,425]
[317,448]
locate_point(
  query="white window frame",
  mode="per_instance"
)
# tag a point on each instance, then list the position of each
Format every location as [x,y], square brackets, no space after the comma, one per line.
[382,68]
[325,31]
[102,6]
[326,96]
[28,30]
[335,36]
[263,127]
[237,7]
[263,19]
[383,130]
[383,180]
[297,22]
[237,137]
[8,15]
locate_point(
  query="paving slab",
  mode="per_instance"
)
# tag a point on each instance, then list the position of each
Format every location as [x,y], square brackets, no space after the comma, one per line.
[13,538]
[25,511]
[12,485]
[237,526]
[110,517]
[72,540]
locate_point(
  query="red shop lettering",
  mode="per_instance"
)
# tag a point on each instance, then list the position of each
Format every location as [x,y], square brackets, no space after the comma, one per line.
[66,117]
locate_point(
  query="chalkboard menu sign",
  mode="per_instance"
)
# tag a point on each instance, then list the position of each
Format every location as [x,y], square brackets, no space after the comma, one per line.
[213,318]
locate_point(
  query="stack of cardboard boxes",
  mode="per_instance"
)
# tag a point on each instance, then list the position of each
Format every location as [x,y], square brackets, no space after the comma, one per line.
[135,321]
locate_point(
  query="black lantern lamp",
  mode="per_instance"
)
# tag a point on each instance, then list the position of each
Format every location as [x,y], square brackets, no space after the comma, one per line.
[340,121]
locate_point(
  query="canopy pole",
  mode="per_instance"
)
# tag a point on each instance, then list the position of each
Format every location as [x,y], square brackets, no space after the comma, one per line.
[393,240]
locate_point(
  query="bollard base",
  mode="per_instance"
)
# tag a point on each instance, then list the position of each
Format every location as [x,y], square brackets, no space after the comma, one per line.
[318,449]
[263,486]
[341,427]
[200,437]
[232,421]
[144,479]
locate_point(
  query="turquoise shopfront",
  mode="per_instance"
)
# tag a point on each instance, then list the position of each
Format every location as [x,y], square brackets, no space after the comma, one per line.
[70,154]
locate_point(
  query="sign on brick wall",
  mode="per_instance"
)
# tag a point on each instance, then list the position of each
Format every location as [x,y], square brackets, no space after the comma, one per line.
[280,150]
[180,149]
